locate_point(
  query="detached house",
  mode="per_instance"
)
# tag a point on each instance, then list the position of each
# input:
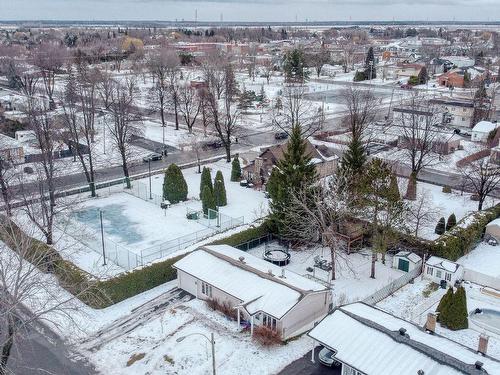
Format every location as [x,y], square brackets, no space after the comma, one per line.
[262,293]
[259,170]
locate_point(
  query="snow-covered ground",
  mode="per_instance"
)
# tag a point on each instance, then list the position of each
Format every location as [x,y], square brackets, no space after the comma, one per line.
[410,303]
[484,259]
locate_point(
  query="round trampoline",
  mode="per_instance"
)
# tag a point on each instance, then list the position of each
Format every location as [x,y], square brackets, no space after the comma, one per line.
[277,256]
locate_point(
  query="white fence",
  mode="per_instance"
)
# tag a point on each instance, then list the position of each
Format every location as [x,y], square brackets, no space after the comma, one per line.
[481,279]
[389,289]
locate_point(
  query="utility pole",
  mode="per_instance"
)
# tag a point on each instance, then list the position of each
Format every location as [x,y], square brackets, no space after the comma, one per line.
[149,172]
[102,239]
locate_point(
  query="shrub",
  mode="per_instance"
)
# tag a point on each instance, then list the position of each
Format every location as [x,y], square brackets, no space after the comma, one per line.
[453,309]
[244,236]
[440,226]
[208,199]
[223,307]
[220,190]
[359,76]
[175,188]
[28,170]
[446,189]
[413,80]
[236,169]
[206,180]
[452,221]
[444,305]
[266,336]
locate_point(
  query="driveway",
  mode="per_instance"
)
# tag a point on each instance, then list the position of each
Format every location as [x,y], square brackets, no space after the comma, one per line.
[304,366]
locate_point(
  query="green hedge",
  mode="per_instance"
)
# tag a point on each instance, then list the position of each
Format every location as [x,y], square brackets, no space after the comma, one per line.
[460,239]
[244,236]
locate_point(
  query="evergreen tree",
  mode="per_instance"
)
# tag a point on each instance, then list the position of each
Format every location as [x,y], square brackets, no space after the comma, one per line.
[294,66]
[175,188]
[206,180]
[235,169]
[444,305]
[293,172]
[440,226]
[208,200]
[352,162]
[452,221]
[262,95]
[394,193]
[220,190]
[456,317]
[370,68]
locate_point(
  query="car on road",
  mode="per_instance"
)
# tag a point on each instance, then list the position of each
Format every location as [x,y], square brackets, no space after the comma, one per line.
[406,86]
[280,135]
[152,157]
[212,145]
[327,358]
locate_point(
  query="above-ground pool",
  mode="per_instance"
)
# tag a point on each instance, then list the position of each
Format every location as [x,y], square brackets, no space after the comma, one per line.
[487,319]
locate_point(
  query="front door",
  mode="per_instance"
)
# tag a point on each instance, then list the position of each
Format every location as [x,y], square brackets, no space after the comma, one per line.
[404,265]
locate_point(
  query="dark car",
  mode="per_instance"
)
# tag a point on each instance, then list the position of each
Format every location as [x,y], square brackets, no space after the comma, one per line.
[327,358]
[152,157]
[211,145]
[280,135]
[407,86]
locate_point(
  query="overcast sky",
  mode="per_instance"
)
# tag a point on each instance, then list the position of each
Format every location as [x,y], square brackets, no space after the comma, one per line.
[251,10]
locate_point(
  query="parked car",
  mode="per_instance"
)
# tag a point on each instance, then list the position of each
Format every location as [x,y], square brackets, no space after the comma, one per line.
[152,157]
[327,357]
[406,86]
[280,135]
[212,145]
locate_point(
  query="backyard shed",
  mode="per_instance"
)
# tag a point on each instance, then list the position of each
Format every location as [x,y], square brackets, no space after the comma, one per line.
[406,261]
[493,229]
[438,269]
[261,293]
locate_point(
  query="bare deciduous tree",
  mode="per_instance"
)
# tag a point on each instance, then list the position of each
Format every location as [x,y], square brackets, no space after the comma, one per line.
[189,104]
[49,59]
[482,178]
[422,212]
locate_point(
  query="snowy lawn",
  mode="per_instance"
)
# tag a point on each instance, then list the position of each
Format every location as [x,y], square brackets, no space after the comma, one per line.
[155,342]
[353,282]
[410,303]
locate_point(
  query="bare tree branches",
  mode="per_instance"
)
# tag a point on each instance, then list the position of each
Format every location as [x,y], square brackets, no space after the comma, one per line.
[482,178]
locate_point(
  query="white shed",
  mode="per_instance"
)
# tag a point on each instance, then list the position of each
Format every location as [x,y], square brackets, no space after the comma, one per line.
[406,261]
[493,229]
[260,292]
[481,131]
[438,269]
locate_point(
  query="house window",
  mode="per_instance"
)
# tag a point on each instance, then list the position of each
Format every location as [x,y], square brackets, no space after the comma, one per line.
[438,274]
[346,370]
[206,289]
[430,270]
[269,322]
[447,276]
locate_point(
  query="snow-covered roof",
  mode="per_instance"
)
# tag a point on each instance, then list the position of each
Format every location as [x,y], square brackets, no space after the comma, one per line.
[493,223]
[442,263]
[412,257]
[7,142]
[369,340]
[248,279]
[484,127]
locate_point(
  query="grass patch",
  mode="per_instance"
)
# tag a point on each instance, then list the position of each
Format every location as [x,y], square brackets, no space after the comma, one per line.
[134,358]
[168,359]
[430,288]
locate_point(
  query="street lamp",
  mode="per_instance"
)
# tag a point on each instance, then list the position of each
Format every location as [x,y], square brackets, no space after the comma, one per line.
[149,172]
[102,239]
[210,340]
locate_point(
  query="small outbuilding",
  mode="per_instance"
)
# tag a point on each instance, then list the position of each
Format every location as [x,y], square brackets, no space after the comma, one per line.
[481,131]
[439,269]
[493,229]
[406,261]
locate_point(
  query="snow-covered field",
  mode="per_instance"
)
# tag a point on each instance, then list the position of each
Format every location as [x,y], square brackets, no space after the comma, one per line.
[410,303]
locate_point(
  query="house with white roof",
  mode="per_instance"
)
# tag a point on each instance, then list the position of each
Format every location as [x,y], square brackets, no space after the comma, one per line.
[482,130]
[369,341]
[261,293]
[438,269]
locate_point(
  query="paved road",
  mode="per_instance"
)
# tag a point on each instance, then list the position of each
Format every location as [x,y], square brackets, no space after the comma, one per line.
[304,366]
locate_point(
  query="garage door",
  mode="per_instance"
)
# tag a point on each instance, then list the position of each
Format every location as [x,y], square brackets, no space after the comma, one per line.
[404,265]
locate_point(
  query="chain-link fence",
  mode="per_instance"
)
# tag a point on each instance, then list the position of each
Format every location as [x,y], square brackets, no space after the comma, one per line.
[142,191]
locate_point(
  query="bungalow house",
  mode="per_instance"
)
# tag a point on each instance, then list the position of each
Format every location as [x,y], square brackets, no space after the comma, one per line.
[259,170]
[11,150]
[262,293]
[438,269]
[406,261]
[481,131]
[369,341]
[408,70]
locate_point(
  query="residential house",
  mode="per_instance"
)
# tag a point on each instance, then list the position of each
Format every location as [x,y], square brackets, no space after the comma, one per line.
[452,78]
[439,269]
[439,66]
[406,261]
[408,70]
[262,293]
[11,150]
[495,155]
[481,131]
[493,229]
[456,112]
[369,341]
[259,170]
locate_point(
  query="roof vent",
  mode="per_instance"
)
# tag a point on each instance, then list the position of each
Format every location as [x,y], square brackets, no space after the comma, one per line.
[402,332]
[241,259]
[479,365]
[270,272]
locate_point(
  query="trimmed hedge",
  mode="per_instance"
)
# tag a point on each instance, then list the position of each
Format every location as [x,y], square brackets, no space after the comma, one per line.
[244,236]
[460,239]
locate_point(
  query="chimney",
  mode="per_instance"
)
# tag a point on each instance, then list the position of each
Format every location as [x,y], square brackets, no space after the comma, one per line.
[478,365]
[430,324]
[257,166]
[483,344]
